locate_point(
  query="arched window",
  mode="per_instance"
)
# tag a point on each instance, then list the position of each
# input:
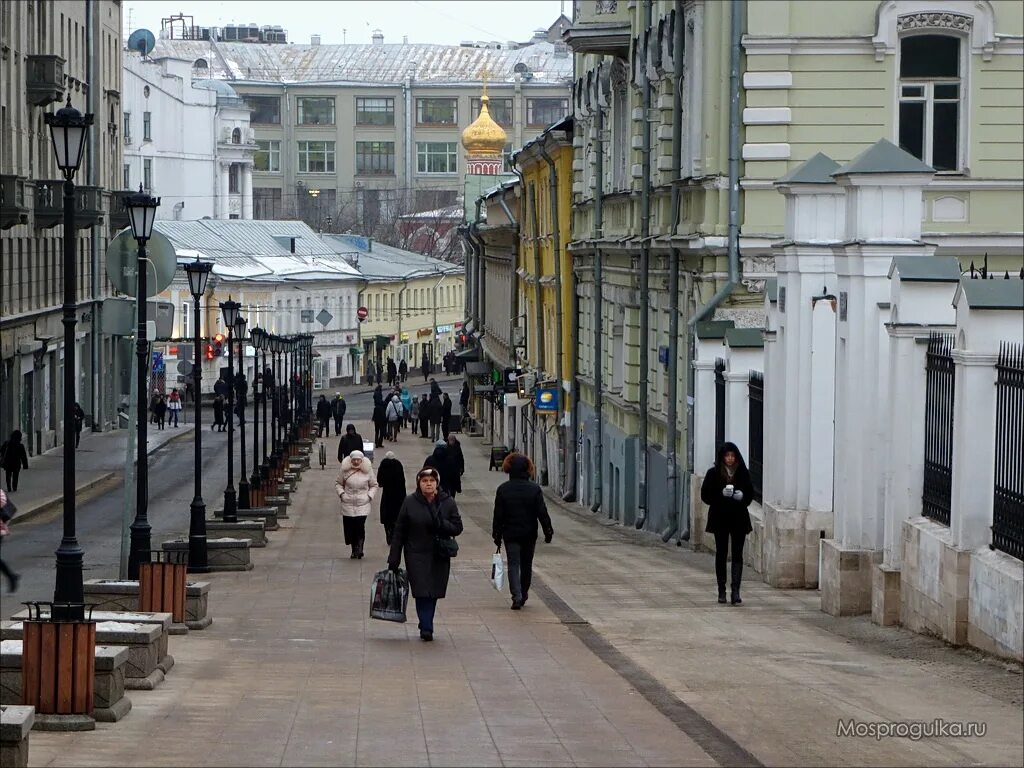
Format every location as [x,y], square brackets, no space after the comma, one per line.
[236,136]
[200,64]
[930,96]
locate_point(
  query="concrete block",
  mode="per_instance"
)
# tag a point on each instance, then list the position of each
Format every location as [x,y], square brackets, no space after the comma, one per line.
[252,530]
[885,596]
[783,547]
[118,595]
[223,554]
[280,503]
[995,609]
[267,514]
[935,582]
[15,725]
[163,620]
[846,577]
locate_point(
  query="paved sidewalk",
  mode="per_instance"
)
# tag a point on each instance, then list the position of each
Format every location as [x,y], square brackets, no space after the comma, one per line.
[99,467]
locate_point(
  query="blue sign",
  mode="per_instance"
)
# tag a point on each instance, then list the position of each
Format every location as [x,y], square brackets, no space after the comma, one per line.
[546,399]
[158,362]
[663,355]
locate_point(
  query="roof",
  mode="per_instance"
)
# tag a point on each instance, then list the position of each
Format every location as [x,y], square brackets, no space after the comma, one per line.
[382,64]
[991,294]
[816,170]
[884,157]
[376,261]
[448,212]
[739,338]
[713,329]
[926,269]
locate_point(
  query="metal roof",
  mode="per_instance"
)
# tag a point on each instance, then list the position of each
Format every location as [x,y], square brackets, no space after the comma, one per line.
[815,170]
[996,293]
[930,269]
[713,329]
[376,261]
[359,64]
[738,338]
[884,157]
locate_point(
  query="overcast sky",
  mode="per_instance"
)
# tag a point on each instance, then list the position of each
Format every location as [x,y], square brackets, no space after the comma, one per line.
[424,21]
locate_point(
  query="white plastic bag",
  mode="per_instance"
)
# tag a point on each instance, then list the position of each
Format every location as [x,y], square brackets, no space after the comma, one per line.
[497,571]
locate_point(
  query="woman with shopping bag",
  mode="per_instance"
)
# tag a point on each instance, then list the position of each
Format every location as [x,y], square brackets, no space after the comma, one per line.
[356,487]
[518,509]
[425,535]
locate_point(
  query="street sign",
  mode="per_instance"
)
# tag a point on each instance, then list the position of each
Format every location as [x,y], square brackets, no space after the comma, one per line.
[324,317]
[123,259]
[306,316]
[184,367]
[362,313]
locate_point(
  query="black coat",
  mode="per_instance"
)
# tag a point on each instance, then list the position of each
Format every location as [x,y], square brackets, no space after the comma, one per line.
[323,409]
[518,509]
[464,395]
[439,461]
[218,410]
[418,523]
[434,409]
[446,409]
[380,417]
[378,395]
[391,479]
[349,443]
[14,456]
[726,515]
[338,408]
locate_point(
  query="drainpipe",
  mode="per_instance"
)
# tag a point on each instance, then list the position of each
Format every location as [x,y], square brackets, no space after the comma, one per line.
[95,247]
[556,250]
[645,267]
[433,334]
[539,320]
[673,281]
[408,134]
[598,233]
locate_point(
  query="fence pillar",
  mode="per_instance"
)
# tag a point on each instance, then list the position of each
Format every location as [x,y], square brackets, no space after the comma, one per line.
[704,415]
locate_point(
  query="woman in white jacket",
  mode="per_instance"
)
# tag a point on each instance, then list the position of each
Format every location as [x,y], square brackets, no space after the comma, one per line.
[356,486]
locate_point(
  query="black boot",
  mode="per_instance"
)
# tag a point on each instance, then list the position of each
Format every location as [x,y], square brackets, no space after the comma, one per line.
[355,552]
[359,549]
[721,593]
[735,597]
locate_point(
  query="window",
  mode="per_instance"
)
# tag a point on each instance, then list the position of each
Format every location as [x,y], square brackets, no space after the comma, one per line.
[375,111]
[544,112]
[185,313]
[500,109]
[127,177]
[930,91]
[437,111]
[375,158]
[128,126]
[316,157]
[316,110]
[147,174]
[268,155]
[266,110]
[236,136]
[436,157]
[266,203]
[233,178]
[146,125]
[200,65]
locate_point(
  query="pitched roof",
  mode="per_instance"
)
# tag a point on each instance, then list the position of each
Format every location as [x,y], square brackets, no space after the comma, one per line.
[996,293]
[738,338]
[884,157]
[815,170]
[713,329]
[927,269]
[376,261]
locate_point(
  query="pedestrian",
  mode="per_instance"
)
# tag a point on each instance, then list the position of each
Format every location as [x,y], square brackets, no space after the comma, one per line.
[161,411]
[323,416]
[338,408]
[380,424]
[464,400]
[403,370]
[13,459]
[434,412]
[407,401]
[414,413]
[6,513]
[174,406]
[392,372]
[424,415]
[218,413]
[79,423]
[435,388]
[439,460]
[350,441]
[425,367]
[728,491]
[154,403]
[393,413]
[380,373]
[426,514]
[457,462]
[518,510]
[378,395]
[446,415]
[391,479]
[356,487]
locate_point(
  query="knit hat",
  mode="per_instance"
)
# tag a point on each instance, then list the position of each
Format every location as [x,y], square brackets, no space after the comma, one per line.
[389,455]
[357,455]
[440,444]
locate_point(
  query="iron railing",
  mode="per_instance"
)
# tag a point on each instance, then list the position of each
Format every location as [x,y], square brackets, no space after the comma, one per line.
[755,431]
[1008,494]
[938,429]
[719,404]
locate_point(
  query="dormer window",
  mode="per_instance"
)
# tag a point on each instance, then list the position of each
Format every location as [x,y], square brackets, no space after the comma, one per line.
[200,65]
[236,136]
[930,92]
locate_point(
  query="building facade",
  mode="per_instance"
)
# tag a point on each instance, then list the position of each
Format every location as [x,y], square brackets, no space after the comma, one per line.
[187,140]
[50,52]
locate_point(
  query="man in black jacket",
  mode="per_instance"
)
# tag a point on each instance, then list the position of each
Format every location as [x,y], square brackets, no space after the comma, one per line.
[351,441]
[518,508]
[338,408]
[323,416]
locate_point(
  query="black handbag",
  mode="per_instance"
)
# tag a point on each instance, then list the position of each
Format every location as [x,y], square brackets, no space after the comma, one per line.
[445,546]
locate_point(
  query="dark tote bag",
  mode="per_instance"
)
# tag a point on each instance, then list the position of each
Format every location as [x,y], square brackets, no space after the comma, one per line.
[389,595]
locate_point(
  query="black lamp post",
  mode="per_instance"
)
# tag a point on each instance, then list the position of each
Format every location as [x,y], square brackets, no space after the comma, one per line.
[198,272]
[68,129]
[242,393]
[141,215]
[257,384]
[230,310]
[275,406]
[267,389]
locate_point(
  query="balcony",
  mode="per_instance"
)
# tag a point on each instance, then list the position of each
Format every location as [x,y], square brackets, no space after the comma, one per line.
[118,215]
[600,26]
[45,79]
[49,205]
[13,201]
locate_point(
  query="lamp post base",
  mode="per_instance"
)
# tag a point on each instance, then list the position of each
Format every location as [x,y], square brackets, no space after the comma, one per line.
[197,554]
[243,494]
[230,504]
[139,547]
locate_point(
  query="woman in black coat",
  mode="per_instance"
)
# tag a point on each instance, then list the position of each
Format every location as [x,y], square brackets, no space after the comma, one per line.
[426,513]
[350,441]
[391,479]
[13,459]
[519,510]
[727,491]
[218,413]
[457,464]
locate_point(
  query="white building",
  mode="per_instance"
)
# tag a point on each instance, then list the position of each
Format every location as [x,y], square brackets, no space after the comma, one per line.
[186,141]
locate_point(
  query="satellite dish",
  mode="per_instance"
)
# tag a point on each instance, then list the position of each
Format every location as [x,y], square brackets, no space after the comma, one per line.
[141,40]
[520,68]
[123,260]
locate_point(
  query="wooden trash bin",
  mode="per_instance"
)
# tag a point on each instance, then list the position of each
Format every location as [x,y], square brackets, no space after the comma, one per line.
[58,660]
[162,583]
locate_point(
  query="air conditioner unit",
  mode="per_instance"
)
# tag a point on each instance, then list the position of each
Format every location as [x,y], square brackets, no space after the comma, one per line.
[127,138]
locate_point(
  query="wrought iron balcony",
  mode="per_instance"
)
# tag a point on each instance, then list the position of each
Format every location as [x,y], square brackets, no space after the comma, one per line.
[118,215]
[602,26]
[13,201]
[44,75]
[49,205]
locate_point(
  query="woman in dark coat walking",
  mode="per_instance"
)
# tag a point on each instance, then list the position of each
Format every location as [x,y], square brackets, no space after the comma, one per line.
[391,479]
[424,415]
[350,441]
[518,510]
[426,513]
[446,415]
[439,460]
[218,413]
[434,413]
[380,424]
[727,491]
[13,459]
[456,463]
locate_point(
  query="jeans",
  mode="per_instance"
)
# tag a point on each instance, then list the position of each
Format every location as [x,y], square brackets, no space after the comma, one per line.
[337,427]
[434,430]
[425,607]
[520,566]
[173,417]
[721,553]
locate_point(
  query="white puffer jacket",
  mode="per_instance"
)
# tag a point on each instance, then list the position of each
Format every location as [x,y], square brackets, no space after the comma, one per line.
[356,488]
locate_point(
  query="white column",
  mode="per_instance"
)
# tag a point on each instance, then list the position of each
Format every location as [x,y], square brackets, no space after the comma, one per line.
[737,409]
[772,409]
[703,415]
[247,191]
[225,169]
[818,465]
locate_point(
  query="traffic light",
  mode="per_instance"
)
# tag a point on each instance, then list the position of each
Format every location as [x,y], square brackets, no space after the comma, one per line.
[218,345]
[210,352]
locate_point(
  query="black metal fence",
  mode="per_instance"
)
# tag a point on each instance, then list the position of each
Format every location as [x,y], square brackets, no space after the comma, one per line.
[755,433]
[938,429]
[1008,497]
[719,404]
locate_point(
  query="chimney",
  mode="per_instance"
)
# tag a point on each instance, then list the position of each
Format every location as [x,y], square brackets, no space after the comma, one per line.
[314,40]
[405,39]
[293,245]
[378,37]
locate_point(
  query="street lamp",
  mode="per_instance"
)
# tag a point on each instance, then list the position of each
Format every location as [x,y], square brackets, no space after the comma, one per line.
[243,389]
[230,309]
[141,209]
[198,272]
[257,382]
[68,130]
[267,385]
[275,406]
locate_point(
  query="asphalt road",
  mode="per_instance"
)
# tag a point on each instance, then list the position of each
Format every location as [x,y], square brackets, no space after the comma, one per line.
[29,550]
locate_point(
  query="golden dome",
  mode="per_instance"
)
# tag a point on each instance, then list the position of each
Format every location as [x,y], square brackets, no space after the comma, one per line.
[484,137]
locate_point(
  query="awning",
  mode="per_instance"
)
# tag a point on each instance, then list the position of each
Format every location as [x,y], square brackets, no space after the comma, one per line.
[477,368]
[466,355]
